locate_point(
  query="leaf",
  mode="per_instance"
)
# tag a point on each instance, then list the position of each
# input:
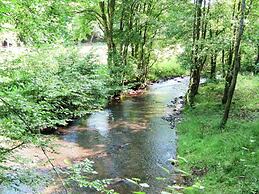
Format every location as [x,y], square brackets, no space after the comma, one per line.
[68,162]
[145,185]
[179,157]
[182,171]
[198,186]
[132,181]
[136,179]
[164,169]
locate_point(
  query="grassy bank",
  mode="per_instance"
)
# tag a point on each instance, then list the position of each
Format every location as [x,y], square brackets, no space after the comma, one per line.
[166,69]
[222,161]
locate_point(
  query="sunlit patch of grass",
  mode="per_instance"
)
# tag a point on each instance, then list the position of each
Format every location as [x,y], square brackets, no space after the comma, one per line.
[166,69]
[230,155]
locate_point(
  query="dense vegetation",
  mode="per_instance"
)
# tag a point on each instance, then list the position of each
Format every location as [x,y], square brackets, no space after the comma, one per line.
[223,161]
[50,83]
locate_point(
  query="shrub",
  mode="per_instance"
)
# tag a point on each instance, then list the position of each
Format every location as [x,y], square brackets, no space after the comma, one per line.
[41,91]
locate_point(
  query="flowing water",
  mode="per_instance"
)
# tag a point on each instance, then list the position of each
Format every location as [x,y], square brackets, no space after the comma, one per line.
[130,139]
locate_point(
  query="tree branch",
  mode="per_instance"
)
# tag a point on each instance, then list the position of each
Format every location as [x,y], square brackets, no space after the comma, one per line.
[54,168]
[11,149]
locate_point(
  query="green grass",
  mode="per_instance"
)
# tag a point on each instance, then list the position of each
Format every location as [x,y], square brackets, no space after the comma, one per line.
[166,69]
[230,155]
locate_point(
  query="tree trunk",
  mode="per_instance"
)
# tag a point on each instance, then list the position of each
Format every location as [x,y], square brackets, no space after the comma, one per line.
[195,69]
[257,58]
[227,84]
[230,58]
[213,63]
[107,19]
[236,66]
[223,63]
[194,84]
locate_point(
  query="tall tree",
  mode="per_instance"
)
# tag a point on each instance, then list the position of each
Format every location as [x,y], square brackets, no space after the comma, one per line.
[130,29]
[200,27]
[236,64]
[230,61]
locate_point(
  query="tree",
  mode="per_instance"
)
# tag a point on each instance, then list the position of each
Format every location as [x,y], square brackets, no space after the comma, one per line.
[130,30]
[37,21]
[200,24]
[236,64]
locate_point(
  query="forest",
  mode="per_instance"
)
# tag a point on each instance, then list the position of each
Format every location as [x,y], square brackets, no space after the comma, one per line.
[129,96]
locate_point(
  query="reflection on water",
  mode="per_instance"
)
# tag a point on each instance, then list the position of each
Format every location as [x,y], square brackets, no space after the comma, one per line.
[130,138]
[99,121]
[137,141]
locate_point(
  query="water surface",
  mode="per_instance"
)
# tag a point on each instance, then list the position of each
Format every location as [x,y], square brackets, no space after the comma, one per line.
[126,140]
[135,140]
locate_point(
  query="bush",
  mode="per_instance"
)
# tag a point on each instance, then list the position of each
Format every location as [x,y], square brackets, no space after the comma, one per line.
[43,90]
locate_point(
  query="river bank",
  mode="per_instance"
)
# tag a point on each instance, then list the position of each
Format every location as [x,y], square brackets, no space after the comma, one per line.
[221,161]
[126,140]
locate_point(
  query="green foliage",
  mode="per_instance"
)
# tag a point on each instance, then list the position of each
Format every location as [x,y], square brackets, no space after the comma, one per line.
[44,89]
[122,77]
[166,69]
[80,174]
[38,21]
[179,22]
[230,156]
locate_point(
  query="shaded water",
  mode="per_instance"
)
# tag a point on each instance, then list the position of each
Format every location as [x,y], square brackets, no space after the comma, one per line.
[137,142]
[130,138]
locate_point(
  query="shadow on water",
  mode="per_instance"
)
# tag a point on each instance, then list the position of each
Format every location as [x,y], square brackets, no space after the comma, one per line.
[131,138]
[137,142]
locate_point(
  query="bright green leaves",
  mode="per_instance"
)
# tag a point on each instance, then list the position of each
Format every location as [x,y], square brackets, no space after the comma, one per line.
[79,174]
[45,89]
[37,21]
[48,91]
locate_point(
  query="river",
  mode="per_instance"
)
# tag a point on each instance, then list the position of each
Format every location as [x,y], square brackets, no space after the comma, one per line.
[129,139]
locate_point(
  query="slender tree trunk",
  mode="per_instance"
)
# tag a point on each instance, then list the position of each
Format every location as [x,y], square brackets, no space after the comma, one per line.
[194,84]
[195,69]
[236,66]
[257,57]
[213,63]
[223,63]
[213,59]
[230,58]
[107,15]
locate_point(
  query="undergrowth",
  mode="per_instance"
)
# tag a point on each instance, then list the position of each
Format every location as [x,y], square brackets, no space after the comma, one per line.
[41,90]
[222,161]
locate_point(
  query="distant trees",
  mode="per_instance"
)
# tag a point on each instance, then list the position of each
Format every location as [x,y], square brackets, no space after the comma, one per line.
[204,46]
[130,28]
[213,46]
[207,29]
